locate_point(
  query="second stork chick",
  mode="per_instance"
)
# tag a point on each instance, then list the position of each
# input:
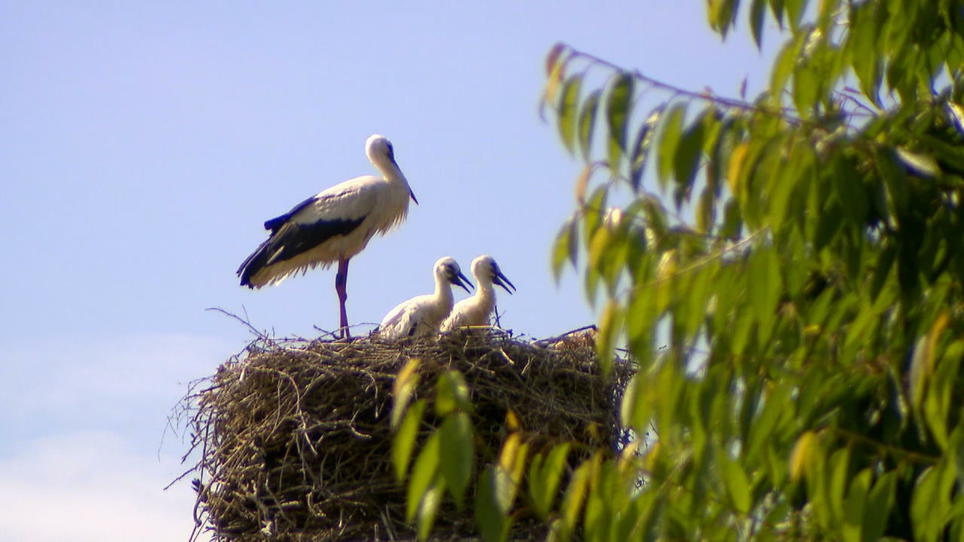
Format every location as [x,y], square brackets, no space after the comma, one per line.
[423,314]
[476,310]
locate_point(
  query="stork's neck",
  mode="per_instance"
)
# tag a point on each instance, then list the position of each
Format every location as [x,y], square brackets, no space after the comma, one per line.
[485,294]
[443,292]
[390,170]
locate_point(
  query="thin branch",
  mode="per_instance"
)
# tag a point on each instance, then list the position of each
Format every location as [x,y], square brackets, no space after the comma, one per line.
[258,333]
[705,96]
[557,338]
[915,457]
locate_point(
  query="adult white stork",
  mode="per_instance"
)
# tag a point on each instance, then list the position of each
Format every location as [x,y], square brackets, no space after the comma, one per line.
[476,310]
[332,226]
[422,315]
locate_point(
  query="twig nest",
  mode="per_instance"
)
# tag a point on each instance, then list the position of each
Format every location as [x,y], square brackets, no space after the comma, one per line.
[295,440]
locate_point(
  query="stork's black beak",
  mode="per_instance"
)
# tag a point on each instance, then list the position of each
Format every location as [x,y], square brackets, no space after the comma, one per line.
[462,280]
[410,193]
[503,281]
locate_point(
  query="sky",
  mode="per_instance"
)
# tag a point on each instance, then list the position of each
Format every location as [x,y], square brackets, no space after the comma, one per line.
[143,144]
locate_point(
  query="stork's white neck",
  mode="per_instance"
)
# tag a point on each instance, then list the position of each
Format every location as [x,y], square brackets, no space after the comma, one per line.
[443,291]
[389,169]
[484,295]
[485,290]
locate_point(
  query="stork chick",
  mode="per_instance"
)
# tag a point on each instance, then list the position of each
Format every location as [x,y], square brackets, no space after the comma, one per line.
[476,310]
[422,315]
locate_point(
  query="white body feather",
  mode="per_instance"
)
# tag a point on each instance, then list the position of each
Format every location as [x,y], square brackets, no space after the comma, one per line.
[478,309]
[381,203]
[474,311]
[421,315]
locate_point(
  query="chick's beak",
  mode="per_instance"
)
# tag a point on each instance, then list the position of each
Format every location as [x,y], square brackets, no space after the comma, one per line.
[462,280]
[503,281]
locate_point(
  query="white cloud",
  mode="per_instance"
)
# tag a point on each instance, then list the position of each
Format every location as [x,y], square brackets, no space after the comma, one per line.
[82,421]
[91,486]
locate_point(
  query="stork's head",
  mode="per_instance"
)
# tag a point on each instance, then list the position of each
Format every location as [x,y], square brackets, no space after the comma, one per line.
[448,270]
[484,269]
[381,153]
[379,148]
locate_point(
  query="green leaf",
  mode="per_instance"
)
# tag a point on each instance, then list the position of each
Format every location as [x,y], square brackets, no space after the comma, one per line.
[404,441]
[458,461]
[671,128]
[403,388]
[555,54]
[575,495]
[642,145]
[566,246]
[921,164]
[850,189]
[492,522]
[428,509]
[949,155]
[508,475]
[794,10]
[635,407]
[545,473]
[879,503]
[610,324]
[862,45]
[778,402]
[765,287]
[938,374]
[853,515]
[806,89]
[790,179]
[568,111]
[699,290]
[706,211]
[452,393]
[894,178]
[587,122]
[736,482]
[732,219]
[931,501]
[721,14]
[423,474]
[686,159]
[776,7]
[783,67]
[757,12]
[956,113]
[836,482]
[803,455]
[618,106]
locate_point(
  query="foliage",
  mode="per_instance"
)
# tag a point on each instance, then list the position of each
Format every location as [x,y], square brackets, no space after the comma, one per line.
[787,274]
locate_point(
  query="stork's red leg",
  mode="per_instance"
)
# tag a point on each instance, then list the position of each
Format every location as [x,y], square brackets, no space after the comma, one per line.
[341,283]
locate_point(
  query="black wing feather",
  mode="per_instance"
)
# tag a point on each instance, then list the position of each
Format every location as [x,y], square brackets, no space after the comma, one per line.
[291,241]
[275,223]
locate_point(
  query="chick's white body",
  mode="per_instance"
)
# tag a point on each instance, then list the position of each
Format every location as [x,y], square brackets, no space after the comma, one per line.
[477,310]
[422,315]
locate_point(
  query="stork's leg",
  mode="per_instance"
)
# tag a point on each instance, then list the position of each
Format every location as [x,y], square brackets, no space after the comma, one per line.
[341,286]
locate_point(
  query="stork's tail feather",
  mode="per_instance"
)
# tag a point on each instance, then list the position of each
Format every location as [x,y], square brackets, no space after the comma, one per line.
[253,264]
[290,243]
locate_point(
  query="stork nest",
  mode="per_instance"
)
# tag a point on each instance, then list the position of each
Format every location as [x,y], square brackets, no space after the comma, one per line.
[295,442]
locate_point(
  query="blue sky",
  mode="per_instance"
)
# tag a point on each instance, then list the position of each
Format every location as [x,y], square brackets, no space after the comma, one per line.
[143,144]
